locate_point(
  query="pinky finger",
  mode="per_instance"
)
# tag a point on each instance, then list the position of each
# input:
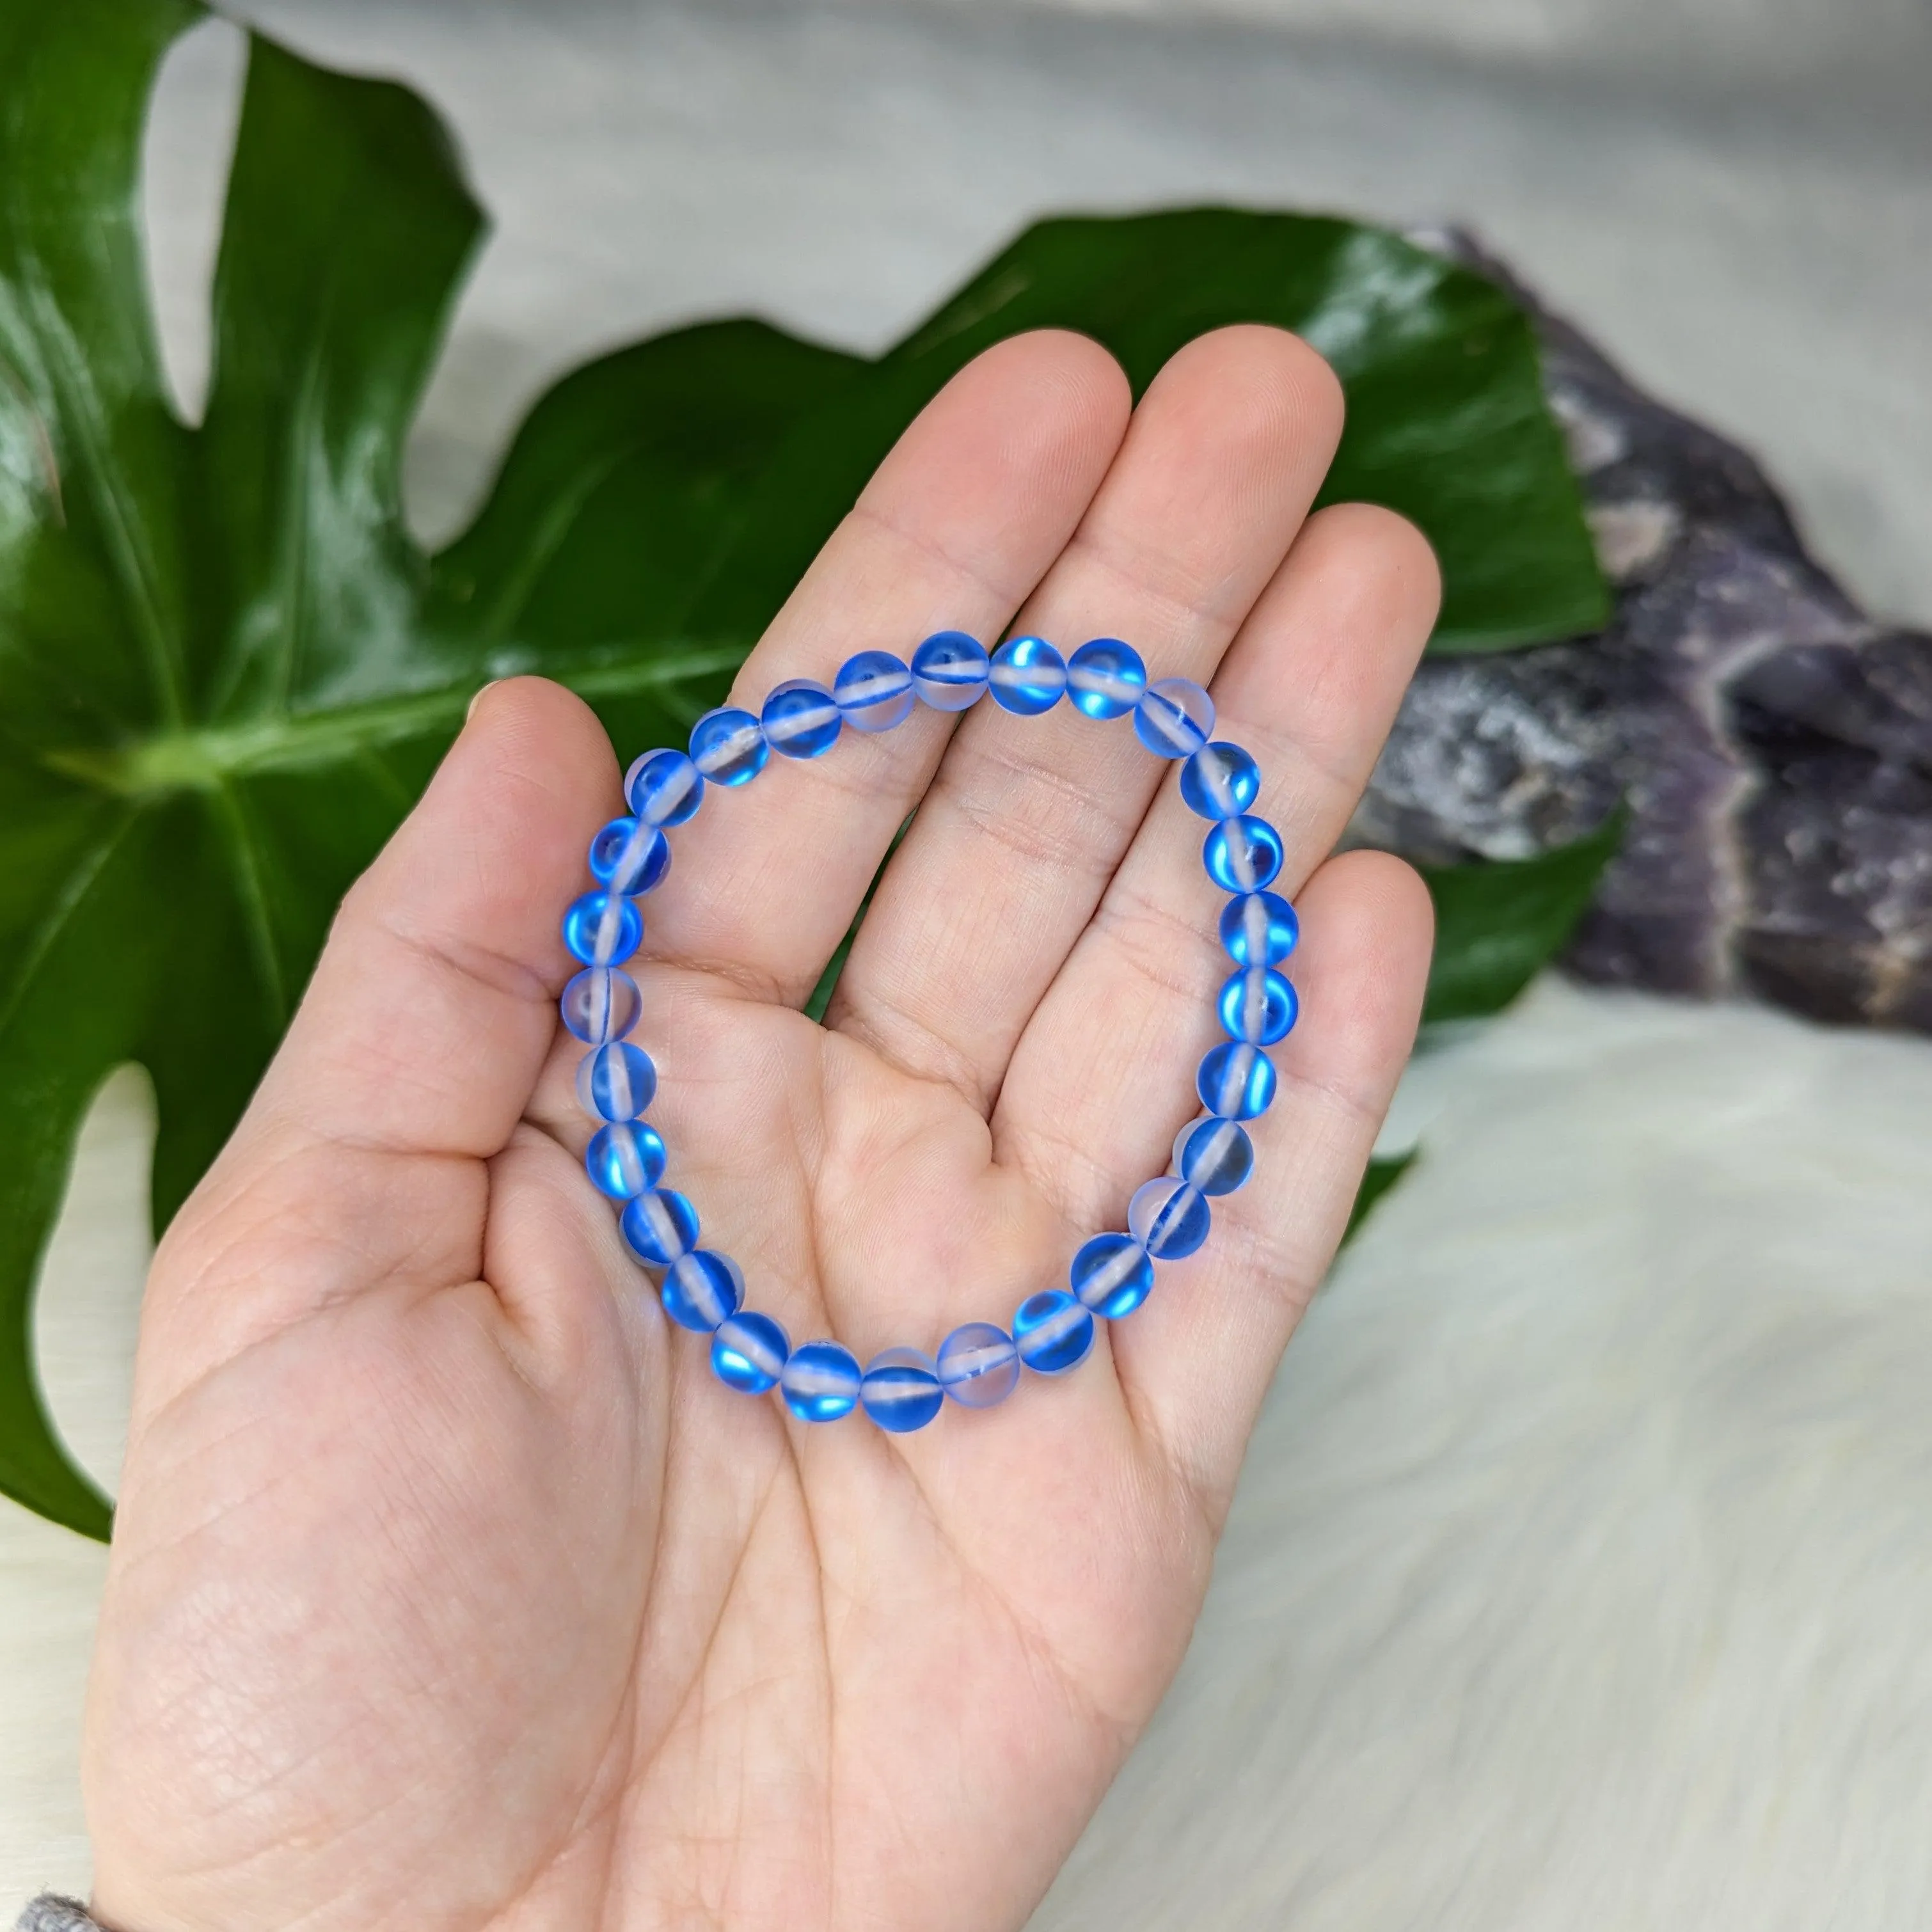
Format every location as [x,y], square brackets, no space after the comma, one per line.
[1196,1361]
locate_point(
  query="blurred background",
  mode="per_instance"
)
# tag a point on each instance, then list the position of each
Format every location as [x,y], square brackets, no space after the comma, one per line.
[1579,1577]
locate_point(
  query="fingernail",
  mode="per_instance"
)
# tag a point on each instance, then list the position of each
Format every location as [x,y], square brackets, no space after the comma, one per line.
[479,699]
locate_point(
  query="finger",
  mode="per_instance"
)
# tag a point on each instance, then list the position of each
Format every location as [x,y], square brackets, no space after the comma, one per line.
[1027,818]
[1104,1078]
[434,1003]
[974,503]
[1196,1361]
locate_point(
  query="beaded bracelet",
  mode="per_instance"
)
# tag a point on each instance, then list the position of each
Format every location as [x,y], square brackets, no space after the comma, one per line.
[979,1364]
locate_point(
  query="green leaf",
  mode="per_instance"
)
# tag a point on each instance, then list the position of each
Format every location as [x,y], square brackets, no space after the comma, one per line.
[1446,417]
[226,670]
[1497,924]
[1381,1174]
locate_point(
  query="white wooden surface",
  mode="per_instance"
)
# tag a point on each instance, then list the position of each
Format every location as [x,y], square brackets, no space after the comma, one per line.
[1579,1577]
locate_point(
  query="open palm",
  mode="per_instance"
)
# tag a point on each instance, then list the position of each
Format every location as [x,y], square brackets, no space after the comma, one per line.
[449,1587]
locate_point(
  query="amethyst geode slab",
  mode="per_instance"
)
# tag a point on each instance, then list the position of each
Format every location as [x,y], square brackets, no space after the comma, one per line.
[1771,744]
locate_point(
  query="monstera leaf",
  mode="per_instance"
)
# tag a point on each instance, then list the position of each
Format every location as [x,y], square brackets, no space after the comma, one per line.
[226,670]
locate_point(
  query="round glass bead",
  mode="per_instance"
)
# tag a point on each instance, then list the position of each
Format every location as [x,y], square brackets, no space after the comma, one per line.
[1105,678]
[728,746]
[1169,1218]
[979,1365]
[628,856]
[603,928]
[1112,1275]
[875,691]
[664,788]
[820,1381]
[802,718]
[1237,1081]
[748,1352]
[659,1226]
[1259,929]
[1220,782]
[616,1082]
[601,1004]
[1242,855]
[625,1159]
[1213,1155]
[1052,1331]
[900,1390]
[1174,717]
[1028,675]
[949,670]
[700,1289]
[1258,1005]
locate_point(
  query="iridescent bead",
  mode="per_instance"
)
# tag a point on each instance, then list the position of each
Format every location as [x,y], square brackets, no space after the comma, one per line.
[1220,782]
[659,1226]
[1258,1005]
[820,1381]
[625,1159]
[1259,929]
[1237,1081]
[949,670]
[728,746]
[1105,678]
[802,718]
[603,928]
[1174,717]
[875,691]
[1028,675]
[900,1390]
[664,788]
[979,1365]
[1213,1155]
[1169,1218]
[700,1289]
[748,1352]
[616,1082]
[1112,1275]
[601,1003]
[628,856]
[1052,1331]
[1242,855]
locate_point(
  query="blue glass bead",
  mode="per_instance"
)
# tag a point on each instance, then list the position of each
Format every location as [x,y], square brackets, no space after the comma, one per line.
[700,1289]
[659,1226]
[1237,1081]
[1052,1331]
[1258,1005]
[601,1003]
[1242,855]
[802,718]
[820,1381]
[664,788]
[728,746]
[1112,1275]
[1174,717]
[603,928]
[1215,1155]
[1220,782]
[616,1082]
[979,1365]
[1259,929]
[1105,678]
[900,1391]
[628,856]
[748,1352]
[626,1159]
[949,670]
[1028,675]
[1169,1218]
[875,691]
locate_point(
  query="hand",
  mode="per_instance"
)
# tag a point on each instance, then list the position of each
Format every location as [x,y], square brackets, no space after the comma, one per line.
[449,1589]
